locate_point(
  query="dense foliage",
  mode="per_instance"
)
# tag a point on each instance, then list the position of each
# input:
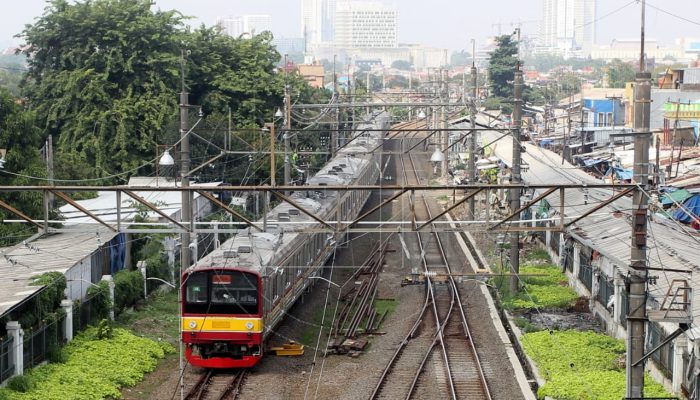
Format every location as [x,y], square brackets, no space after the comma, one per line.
[581,365]
[104,77]
[618,73]
[94,368]
[549,289]
[545,287]
[22,139]
[502,66]
[128,289]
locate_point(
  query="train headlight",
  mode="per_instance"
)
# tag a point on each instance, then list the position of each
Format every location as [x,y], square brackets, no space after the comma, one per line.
[249,325]
[193,324]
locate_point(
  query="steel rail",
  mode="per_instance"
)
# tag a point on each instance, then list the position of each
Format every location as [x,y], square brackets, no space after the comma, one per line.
[416,325]
[439,325]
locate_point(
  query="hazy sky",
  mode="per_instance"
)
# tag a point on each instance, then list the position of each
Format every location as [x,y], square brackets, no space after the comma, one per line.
[441,23]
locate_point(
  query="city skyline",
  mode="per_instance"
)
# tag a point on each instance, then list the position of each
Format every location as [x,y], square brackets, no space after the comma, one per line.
[442,24]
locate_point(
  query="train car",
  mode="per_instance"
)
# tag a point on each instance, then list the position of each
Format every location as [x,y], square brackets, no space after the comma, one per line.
[236,295]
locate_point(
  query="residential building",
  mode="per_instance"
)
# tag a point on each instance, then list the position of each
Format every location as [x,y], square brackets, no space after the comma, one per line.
[365,24]
[628,50]
[250,24]
[314,74]
[568,26]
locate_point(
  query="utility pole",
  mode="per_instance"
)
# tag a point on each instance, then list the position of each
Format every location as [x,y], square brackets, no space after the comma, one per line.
[186,210]
[515,179]
[49,167]
[287,127]
[334,131]
[445,135]
[636,320]
[471,164]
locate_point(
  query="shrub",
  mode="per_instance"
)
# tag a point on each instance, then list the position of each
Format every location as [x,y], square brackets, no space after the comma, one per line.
[100,295]
[105,330]
[21,383]
[128,289]
[55,353]
[94,368]
[581,365]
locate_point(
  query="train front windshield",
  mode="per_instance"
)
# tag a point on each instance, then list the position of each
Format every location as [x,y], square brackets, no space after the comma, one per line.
[221,292]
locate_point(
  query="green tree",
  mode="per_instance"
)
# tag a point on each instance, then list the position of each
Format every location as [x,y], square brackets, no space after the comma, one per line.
[502,66]
[460,58]
[618,73]
[402,65]
[102,76]
[21,138]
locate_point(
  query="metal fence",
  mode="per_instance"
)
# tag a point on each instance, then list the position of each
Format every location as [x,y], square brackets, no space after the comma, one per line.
[35,347]
[7,366]
[38,342]
[85,312]
[554,242]
[664,356]
[606,289]
[624,308]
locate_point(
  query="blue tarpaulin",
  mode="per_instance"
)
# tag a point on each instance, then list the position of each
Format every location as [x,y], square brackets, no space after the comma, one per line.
[621,173]
[545,142]
[692,204]
[592,161]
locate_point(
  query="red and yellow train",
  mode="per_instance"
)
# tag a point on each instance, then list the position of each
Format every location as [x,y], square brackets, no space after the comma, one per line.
[234,297]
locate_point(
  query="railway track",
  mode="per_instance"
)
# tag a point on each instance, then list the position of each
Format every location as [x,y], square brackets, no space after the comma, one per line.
[217,385]
[439,340]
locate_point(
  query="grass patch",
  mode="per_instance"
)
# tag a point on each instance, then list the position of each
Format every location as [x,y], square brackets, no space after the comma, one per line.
[538,255]
[159,319]
[581,365]
[550,289]
[94,368]
[385,305]
[526,326]
[310,334]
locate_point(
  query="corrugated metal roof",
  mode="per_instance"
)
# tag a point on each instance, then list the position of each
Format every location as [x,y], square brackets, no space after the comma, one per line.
[55,252]
[669,245]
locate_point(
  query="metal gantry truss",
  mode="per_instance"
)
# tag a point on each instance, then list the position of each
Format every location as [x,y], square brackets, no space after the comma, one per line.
[390,194]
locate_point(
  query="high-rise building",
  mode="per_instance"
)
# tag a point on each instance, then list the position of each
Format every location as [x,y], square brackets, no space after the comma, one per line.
[328,8]
[257,23]
[365,24]
[318,21]
[232,26]
[568,26]
[312,21]
[251,24]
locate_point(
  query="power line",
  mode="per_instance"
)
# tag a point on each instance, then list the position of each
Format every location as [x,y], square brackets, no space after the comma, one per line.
[673,15]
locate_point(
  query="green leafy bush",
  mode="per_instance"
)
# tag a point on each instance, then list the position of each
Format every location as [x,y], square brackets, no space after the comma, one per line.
[94,368]
[128,289]
[581,365]
[101,300]
[105,330]
[549,288]
[21,383]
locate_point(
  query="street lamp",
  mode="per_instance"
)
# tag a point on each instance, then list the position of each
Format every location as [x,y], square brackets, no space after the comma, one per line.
[326,280]
[166,159]
[436,159]
[421,114]
[278,113]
